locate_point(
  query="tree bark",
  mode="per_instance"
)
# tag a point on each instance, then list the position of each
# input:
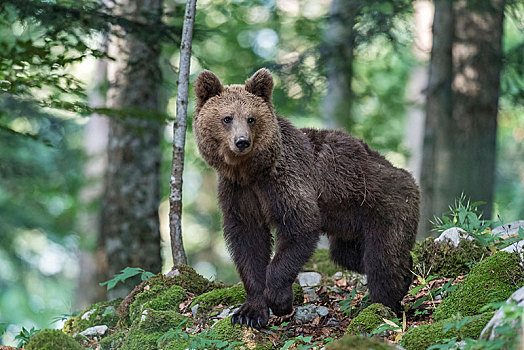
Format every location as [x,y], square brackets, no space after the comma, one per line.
[438,111]
[130,224]
[338,50]
[179,137]
[463,93]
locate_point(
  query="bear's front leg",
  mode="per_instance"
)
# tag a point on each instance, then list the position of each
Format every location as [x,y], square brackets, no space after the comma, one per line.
[249,241]
[292,252]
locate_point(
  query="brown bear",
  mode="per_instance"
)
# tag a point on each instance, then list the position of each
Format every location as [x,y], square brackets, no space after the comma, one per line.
[302,183]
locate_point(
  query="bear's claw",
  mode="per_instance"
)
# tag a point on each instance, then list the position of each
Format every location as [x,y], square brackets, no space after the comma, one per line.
[254,317]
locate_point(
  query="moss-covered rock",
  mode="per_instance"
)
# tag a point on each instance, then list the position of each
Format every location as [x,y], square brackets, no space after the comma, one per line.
[320,262]
[181,275]
[492,280]
[233,296]
[103,313]
[157,298]
[52,339]
[151,326]
[421,337]
[114,341]
[355,342]
[369,319]
[247,338]
[446,260]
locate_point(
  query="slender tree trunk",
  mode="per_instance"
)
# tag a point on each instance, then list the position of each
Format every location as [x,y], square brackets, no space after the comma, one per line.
[130,224]
[438,110]
[463,92]
[179,139]
[338,48]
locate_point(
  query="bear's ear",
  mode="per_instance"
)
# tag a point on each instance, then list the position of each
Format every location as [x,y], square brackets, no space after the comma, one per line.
[261,84]
[207,85]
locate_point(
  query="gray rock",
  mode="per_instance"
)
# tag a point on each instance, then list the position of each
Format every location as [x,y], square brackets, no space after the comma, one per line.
[309,279]
[174,272]
[453,235]
[508,229]
[497,320]
[307,313]
[95,331]
[194,310]
[337,276]
[311,293]
[225,313]
[516,247]
[86,314]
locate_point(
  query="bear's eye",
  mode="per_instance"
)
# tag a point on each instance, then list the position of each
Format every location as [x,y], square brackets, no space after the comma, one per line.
[227,120]
[251,120]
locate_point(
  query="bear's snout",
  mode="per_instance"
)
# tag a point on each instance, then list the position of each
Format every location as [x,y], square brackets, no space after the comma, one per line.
[242,143]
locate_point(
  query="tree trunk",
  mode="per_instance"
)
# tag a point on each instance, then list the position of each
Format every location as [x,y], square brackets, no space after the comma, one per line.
[179,137]
[338,49]
[130,224]
[459,147]
[438,111]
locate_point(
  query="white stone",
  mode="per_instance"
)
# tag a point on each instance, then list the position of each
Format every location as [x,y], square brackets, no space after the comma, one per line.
[94,331]
[453,235]
[194,310]
[508,229]
[309,279]
[337,276]
[516,247]
[86,314]
[311,292]
[173,273]
[489,331]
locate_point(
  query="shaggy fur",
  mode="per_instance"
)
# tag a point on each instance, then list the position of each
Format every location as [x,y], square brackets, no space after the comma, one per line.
[303,183]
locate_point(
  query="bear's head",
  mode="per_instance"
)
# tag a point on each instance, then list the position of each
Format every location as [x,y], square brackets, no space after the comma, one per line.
[235,125]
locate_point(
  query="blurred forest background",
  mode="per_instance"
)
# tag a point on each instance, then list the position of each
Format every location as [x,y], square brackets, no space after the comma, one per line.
[88,98]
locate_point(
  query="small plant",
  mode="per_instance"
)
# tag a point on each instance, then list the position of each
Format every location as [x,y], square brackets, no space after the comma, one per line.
[205,340]
[25,335]
[345,305]
[126,273]
[424,279]
[305,343]
[3,328]
[392,325]
[465,216]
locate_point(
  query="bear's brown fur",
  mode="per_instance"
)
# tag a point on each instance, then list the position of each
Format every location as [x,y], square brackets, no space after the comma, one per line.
[303,183]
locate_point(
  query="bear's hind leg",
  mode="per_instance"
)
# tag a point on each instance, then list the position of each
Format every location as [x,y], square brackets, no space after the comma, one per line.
[347,253]
[387,263]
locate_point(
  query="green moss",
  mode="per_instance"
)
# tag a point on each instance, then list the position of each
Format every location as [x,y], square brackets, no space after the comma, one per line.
[235,295]
[369,319]
[298,295]
[354,342]
[139,340]
[52,339]
[492,280]
[113,341]
[421,337]
[162,321]
[103,313]
[320,262]
[157,298]
[249,338]
[446,260]
[225,296]
[223,330]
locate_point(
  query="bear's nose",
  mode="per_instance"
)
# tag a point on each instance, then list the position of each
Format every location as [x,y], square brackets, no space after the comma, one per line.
[242,143]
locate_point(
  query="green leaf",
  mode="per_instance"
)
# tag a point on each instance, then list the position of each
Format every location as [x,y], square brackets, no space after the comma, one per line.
[288,344]
[126,273]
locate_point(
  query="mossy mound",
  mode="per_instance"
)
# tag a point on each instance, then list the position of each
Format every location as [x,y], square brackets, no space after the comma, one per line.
[243,336]
[233,296]
[321,262]
[354,342]
[369,319]
[146,331]
[492,280]
[421,337]
[103,313]
[446,260]
[181,275]
[114,341]
[52,339]
[157,298]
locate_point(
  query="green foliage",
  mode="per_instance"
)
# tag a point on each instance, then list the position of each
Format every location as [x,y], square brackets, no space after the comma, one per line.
[354,342]
[126,273]
[157,298]
[465,216]
[321,262]
[52,339]
[345,304]
[492,280]
[25,335]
